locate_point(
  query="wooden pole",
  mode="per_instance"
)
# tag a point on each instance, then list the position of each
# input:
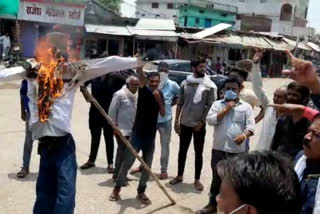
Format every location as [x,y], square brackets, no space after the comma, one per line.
[126,142]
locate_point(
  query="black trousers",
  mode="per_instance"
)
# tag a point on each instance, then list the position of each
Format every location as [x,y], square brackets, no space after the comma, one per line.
[186,134]
[95,142]
[120,156]
[216,157]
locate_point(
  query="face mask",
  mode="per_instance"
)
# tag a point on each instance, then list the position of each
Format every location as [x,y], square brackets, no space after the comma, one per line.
[230,95]
[163,79]
[233,211]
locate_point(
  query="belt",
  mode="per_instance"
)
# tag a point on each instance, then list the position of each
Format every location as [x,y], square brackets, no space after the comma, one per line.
[51,143]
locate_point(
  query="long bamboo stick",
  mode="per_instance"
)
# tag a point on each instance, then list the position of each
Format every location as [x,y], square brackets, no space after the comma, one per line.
[126,142]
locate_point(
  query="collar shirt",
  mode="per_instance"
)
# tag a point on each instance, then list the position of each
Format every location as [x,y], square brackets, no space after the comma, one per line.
[238,120]
[170,91]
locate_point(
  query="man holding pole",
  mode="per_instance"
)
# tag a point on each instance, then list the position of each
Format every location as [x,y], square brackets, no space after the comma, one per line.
[150,104]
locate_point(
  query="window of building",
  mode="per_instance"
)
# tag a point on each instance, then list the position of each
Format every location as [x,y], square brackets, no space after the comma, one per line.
[306,13]
[201,11]
[286,12]
[158,15]
[143,14]
[241,0]
[170,6]
[174,16]
[263,1]
[155,5]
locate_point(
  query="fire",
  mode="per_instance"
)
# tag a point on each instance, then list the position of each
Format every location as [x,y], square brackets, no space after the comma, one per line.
[50,76]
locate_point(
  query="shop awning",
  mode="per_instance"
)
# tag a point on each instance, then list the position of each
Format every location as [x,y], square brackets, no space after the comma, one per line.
[314,46]
[211,31]
[300,44]
[108,30]
[159,35]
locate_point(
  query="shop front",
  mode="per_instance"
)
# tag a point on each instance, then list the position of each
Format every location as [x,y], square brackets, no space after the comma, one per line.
[38,17]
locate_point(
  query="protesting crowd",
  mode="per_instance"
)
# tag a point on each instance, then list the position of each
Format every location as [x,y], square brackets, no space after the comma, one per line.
[279,175]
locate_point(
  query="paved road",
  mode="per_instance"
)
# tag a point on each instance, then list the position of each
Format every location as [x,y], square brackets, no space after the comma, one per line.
[95,185]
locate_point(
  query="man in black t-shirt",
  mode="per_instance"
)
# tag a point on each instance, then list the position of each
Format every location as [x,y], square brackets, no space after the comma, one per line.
[150,104]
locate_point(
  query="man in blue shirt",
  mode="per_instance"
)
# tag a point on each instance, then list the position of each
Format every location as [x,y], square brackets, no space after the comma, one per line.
[25,116]
[170,90]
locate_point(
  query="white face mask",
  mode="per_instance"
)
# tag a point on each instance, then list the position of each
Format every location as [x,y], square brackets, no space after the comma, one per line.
[233,211]
[163,79]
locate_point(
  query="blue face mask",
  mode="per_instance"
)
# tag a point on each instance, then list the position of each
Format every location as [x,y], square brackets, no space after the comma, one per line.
[230,95]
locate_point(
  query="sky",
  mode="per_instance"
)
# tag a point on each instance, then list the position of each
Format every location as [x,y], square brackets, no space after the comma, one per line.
[127,9]
[314,14]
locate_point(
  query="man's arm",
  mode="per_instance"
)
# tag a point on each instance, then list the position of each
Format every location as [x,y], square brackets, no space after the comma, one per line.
[179,109]
[142,77]
[216,114]
[260,116]
[257,85]
[11,74]
[104,66]
[176,90]
[160,100]
[249,127]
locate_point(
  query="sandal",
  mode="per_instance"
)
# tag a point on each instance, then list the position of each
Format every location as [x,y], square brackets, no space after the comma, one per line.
[23,172]
[115,196]
[198,185]
[87,165]
[136,170]
[176,180]
[143,199]
[110,170]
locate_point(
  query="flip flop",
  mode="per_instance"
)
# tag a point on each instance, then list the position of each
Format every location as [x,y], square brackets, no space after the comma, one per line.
[143,199]
[114,197]
[176,180]
[198,186]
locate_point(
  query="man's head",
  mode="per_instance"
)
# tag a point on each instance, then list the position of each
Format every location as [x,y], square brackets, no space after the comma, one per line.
[280,95]
[198,66]
[7,34]
[163,67]
[233,83]
[311,144]
[132,83]
[239,73]
[297,94]
[258,183]
[153,80]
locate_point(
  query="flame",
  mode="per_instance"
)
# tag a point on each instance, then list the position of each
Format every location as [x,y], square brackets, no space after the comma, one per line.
[50,76]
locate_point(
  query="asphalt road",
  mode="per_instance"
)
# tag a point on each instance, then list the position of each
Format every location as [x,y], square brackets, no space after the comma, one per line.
[95,185]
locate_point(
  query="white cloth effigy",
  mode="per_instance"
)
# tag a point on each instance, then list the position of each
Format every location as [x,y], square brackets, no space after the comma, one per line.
[59,121]
[205,83]
[299,168]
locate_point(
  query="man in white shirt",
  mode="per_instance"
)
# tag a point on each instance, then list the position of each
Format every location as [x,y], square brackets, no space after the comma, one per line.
[122,111]
[56,184]
[233,122]
[6,44]
[270,113]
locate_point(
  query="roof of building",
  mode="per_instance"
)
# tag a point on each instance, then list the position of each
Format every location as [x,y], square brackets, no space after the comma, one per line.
[156,24]
[110,30]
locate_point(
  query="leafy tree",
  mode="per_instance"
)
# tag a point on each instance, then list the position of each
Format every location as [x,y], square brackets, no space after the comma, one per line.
[112,4]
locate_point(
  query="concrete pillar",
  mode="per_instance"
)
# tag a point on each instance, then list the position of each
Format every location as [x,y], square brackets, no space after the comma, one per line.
[121,47]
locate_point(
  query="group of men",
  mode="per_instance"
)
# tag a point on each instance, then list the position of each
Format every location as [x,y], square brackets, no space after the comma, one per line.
[141,103]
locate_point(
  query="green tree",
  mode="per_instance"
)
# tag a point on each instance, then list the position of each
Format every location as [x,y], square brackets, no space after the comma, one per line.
[112,4]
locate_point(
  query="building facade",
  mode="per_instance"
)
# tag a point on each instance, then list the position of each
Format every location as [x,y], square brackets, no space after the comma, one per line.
[205,17]
[287,17]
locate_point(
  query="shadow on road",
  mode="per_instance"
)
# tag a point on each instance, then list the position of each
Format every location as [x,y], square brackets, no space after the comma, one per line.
[31,177]
[93,171]
[130,203]
[183,188]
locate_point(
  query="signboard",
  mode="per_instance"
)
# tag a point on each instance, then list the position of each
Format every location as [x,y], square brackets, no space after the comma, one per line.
[51,13]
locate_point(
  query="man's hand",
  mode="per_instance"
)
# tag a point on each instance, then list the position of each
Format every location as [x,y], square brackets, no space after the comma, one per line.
[23,116]
[177,127]
[240,139]
[288,109]
[258,56]
[230,105]
[157,96]
[198,127]
[303,72]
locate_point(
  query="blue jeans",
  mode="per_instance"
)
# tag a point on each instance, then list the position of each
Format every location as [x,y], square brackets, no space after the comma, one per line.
[146,144]
[56,184]
[27,148]
[165,137]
